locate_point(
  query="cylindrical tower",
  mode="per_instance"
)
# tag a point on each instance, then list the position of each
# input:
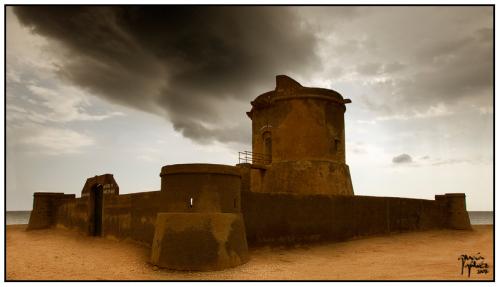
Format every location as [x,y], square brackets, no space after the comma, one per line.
[203,228]
[301,130]
[201,187]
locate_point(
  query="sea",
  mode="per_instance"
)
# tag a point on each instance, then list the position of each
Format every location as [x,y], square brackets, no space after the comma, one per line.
[476,217]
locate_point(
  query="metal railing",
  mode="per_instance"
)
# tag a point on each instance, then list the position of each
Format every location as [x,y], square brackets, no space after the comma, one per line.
[253,157]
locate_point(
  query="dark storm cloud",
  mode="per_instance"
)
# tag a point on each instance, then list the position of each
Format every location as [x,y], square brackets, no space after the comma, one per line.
[459,66]
[183,62]
[402,158]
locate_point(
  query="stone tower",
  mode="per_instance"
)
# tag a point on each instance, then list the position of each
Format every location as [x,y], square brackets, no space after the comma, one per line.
[298,135]
[201,227]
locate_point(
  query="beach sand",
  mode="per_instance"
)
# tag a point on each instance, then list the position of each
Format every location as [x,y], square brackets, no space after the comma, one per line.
[58,254]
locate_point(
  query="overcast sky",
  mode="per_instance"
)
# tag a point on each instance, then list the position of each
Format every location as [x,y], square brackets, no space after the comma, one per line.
[127,90]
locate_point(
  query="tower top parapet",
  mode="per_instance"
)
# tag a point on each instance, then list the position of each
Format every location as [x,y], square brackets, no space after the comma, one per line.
[288,88]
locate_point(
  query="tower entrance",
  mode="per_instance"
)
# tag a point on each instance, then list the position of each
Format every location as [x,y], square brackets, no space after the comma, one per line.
[96,199]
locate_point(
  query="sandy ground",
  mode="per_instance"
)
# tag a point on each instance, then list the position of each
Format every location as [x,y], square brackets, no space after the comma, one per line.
[57,254]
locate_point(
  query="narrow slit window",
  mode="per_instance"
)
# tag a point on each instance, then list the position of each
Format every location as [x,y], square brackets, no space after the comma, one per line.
[191,201]
[336,144]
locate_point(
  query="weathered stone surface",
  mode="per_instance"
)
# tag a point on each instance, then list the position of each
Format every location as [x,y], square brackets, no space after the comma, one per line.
[107,181]
[302,130]
[290,218]
[199,241]
[308,177]
[45,209]
[457,211]
[456,215]
[201,187]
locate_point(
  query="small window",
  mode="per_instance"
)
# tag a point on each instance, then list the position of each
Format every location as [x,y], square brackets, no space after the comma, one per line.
[191,202]
[268,147]
[336,144]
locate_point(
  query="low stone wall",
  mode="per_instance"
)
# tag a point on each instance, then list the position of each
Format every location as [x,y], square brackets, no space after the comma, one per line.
[45,208]
[286,218]
[268,217]
[133,215]
[74,214]
[130,216]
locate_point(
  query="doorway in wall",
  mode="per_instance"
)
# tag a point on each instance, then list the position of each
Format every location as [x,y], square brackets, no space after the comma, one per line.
[97,198]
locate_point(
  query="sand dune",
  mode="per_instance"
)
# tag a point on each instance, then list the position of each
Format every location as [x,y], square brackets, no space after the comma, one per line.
[57,254]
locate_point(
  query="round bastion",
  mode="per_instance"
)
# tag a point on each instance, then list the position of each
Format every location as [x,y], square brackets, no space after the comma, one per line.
[203,228]
[201,187]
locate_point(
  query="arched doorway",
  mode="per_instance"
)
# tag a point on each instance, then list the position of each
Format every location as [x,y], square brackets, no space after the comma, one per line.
[96,198]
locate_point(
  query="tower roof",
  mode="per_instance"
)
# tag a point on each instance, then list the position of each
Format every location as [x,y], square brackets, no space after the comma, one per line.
[287,87]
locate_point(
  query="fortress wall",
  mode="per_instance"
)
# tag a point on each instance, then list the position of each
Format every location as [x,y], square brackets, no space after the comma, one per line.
[285,217]
[74,214]
[144,208]
[130,216]
[116,216]
[407,214]
[368,215]
[282,218]
[268,217]
[45,208]
[133,215]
